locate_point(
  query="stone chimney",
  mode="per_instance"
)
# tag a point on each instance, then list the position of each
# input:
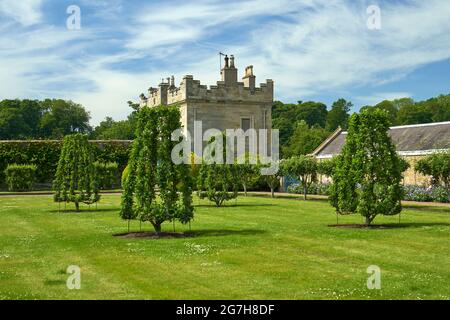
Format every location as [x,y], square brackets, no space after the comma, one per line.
[229,72]
[249,79]
[163,87]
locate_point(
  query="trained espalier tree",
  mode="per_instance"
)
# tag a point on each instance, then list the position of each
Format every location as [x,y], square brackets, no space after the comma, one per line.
[151,169]
[368,173]
[75,179]
[218,182]
[248,170]
[437,166]
[302,167]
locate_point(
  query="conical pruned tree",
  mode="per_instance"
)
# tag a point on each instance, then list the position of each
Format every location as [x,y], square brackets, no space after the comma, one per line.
[151,168]
[75,175]
[368,173]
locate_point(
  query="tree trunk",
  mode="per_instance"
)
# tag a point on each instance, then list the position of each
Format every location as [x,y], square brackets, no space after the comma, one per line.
[305,190]
[272,191]
[245,189]
[368,221]
[157,227]
[77,206]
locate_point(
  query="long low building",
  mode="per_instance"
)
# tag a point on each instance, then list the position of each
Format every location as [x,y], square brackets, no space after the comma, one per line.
[413,142]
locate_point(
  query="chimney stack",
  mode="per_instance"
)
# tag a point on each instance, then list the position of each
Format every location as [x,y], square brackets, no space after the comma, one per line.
[249,79]
[229,72]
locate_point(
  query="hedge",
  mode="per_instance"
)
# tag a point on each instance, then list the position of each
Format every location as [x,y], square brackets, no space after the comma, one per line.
[20,177]
[44,154]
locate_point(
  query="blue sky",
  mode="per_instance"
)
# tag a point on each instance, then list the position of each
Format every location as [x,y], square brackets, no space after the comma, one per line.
[313,49]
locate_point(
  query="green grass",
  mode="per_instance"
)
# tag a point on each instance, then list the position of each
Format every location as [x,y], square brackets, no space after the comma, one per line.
[259,249]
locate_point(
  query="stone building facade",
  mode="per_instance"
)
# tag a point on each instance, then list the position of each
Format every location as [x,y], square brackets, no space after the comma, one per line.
[413,142]
[230,104]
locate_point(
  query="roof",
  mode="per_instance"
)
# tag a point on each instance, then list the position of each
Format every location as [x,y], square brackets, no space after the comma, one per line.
[413,139]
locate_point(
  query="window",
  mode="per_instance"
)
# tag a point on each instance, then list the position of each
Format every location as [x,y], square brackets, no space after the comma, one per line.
[245,124]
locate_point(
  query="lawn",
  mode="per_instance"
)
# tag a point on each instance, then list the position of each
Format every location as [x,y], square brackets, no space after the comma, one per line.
[258,248]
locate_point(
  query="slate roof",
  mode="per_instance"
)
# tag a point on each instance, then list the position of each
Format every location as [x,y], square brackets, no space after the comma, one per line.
[410,139]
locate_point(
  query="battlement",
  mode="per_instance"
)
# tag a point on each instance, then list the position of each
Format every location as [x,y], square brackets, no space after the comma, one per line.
[227,90]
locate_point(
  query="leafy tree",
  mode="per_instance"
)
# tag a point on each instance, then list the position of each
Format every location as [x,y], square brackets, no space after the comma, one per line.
[413,114]
[247,172]
[75,179]
[63,117]
[326,167]
[303,167]
[218,182]
[304,140]
[151,166]
[273,181]
[437,166]
[338,115]
[368,172]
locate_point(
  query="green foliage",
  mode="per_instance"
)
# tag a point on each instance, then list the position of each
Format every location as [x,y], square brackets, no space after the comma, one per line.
[338,115]
[326,167]
[20,177]
[218,182]
[45,155]
[248,172]
[125,174]
[33,119]
[437,166]
[368,172]
[304,140]
[151,166]
[302,167]
[75,179]
[106,174]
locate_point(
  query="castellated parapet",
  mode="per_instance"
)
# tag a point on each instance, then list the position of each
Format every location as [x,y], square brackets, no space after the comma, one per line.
[191,90]
[229,104]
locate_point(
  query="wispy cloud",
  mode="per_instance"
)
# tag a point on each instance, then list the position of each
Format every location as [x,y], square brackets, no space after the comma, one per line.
[308,47]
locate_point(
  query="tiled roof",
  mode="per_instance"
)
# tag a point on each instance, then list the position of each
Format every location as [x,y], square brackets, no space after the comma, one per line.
[410,138]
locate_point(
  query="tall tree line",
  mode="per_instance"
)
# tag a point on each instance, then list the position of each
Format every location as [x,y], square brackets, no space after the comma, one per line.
[304,125]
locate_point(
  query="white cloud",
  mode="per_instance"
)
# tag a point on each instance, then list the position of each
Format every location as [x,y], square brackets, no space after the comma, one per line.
[26,12]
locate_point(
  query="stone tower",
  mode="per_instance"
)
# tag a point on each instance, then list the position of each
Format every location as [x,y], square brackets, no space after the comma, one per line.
[229,104]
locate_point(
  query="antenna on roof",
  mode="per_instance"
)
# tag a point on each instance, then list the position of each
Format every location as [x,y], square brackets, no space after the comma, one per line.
[220,59]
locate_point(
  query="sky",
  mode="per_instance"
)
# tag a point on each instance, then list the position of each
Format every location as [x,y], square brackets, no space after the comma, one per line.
[317,50]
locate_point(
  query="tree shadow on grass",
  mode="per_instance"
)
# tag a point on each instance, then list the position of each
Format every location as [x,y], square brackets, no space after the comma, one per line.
[49,282]
[426,208]
[417,224]
[231,205]
[85,210]
[224,232]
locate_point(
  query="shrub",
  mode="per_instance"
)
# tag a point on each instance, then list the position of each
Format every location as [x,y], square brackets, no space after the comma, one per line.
[417,193]
[441,194]
[20,177]
[125,174]
[313,188]
[106,174]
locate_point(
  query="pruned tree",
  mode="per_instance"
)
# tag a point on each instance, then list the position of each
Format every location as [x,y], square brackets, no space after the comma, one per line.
[151,168]
[218,182]
[75,179]
[247,170]
[302,167]
[368,172]
[437,166]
